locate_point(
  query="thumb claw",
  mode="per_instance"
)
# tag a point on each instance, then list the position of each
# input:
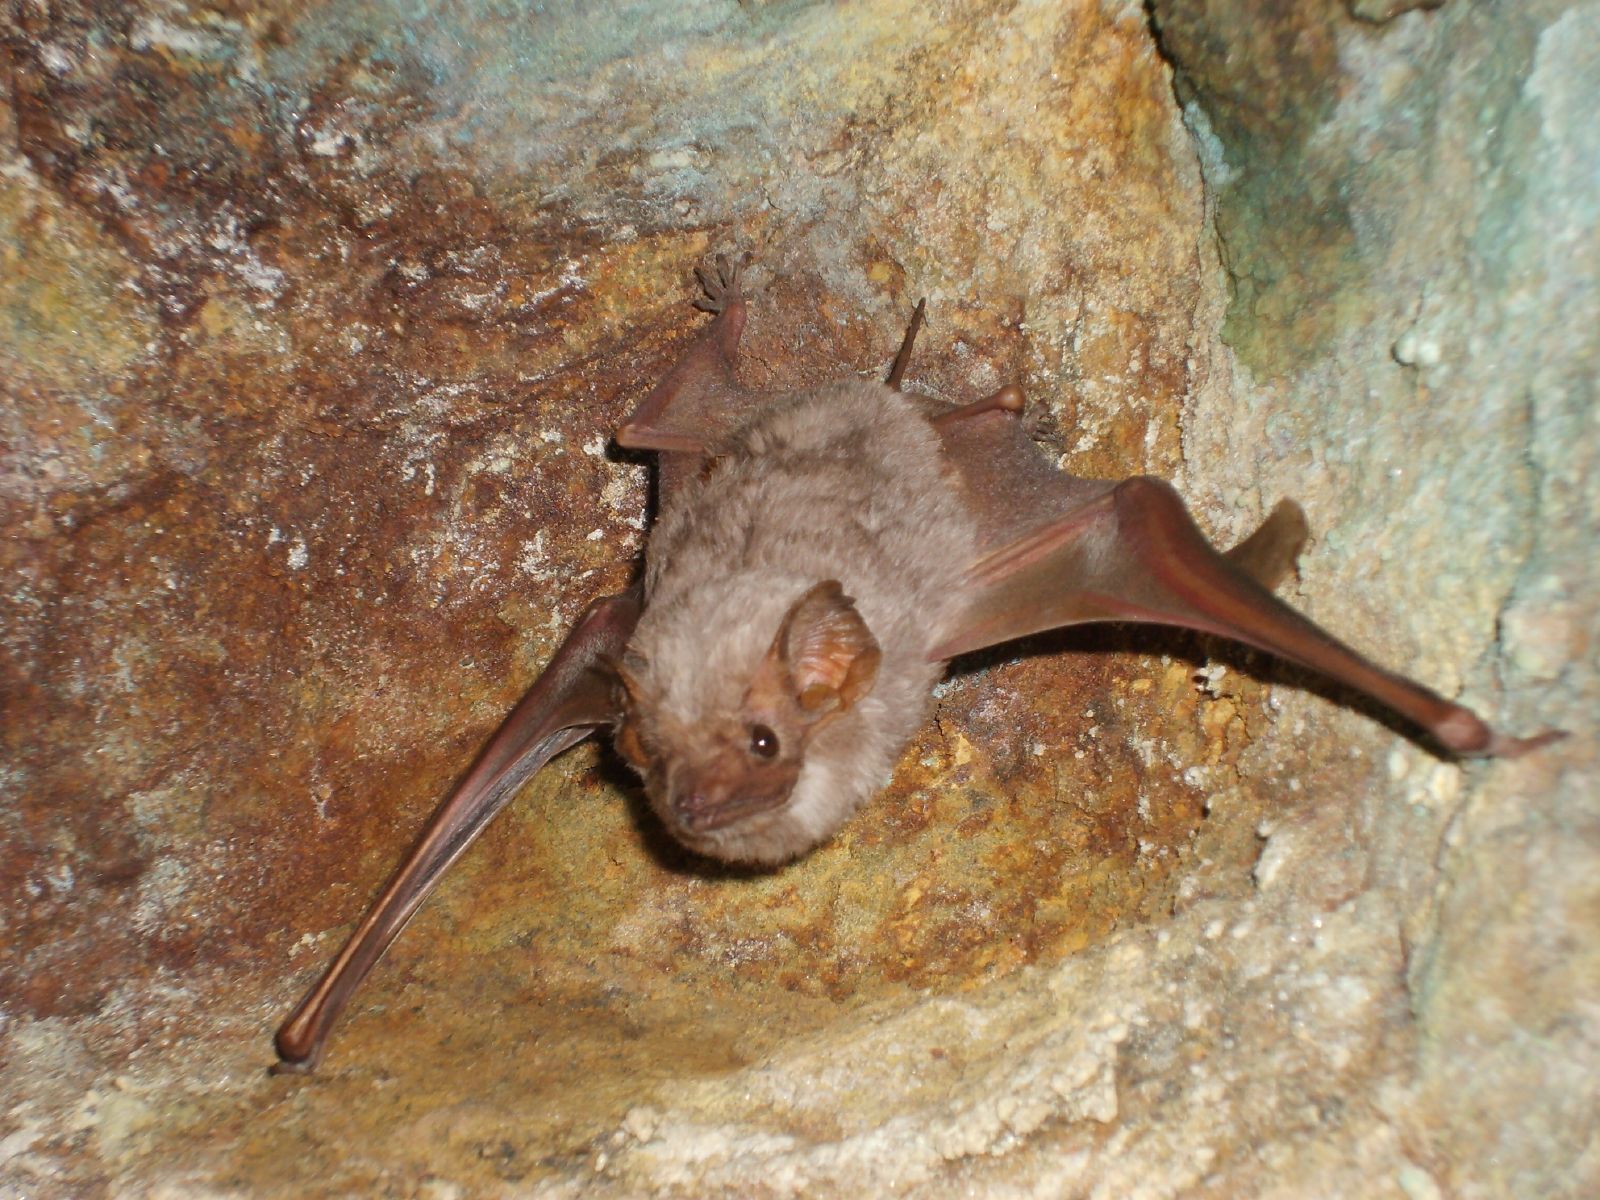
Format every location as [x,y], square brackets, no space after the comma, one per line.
[1501,746]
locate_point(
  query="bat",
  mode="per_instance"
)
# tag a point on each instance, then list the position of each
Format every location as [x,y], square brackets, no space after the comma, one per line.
[819,556]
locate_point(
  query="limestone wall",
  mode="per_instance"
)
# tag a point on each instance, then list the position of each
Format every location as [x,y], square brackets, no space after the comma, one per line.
[317,322]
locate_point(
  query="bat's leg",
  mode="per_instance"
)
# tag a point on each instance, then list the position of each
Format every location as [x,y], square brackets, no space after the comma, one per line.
[1007,399]
[570,698]
[1268,555]
[704,371]
[903,359]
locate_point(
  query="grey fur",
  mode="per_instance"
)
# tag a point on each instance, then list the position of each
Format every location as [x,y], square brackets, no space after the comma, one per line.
[843,482]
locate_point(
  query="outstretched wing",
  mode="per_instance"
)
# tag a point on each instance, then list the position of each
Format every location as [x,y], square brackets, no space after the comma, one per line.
[1097,550]
[574,695]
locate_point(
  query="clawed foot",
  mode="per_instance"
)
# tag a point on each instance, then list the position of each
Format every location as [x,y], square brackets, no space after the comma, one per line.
[720,279]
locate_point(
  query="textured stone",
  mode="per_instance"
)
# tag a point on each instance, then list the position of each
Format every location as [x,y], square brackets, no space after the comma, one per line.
[319,317]
[1379,11]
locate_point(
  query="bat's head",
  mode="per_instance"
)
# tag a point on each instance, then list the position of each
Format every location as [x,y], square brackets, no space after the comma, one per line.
[722,710]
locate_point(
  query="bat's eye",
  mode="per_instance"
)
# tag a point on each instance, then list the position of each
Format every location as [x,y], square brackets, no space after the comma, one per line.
[763,741]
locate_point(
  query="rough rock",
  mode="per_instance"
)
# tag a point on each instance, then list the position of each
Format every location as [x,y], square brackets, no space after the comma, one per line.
[318,320]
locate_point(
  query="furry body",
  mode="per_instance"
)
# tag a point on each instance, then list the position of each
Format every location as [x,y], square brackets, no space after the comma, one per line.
[845,482]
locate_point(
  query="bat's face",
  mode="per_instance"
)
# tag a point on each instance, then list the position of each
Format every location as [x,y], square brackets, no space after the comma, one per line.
[721,756]
[719,786]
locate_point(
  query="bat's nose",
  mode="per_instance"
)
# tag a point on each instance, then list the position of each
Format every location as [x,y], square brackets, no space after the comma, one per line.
[702,800]
[695,810]
[704,808]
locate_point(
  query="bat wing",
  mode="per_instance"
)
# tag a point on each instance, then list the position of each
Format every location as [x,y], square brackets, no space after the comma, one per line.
[1096,550]
[574,696]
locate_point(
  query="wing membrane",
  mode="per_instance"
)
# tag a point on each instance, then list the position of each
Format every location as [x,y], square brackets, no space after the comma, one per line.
[572,697]
[1058,550]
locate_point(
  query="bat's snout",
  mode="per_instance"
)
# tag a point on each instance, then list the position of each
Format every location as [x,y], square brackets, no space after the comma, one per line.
[704,810]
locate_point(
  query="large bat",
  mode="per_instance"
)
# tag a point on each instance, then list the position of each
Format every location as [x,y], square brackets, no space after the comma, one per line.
[818,558]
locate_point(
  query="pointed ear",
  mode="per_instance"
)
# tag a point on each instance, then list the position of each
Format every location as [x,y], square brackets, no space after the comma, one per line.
[625,669]
[626,705]
[825,650]
[629,667]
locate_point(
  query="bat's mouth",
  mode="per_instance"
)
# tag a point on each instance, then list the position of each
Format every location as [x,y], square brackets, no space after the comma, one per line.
[700,814]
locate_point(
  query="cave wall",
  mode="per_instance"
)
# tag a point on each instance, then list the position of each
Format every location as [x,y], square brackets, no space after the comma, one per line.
[319,319]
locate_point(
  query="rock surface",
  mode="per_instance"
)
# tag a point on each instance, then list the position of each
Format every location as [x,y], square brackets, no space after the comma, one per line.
[319,318]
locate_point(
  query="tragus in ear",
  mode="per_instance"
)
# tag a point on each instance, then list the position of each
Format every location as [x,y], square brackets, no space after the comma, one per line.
[824,651]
